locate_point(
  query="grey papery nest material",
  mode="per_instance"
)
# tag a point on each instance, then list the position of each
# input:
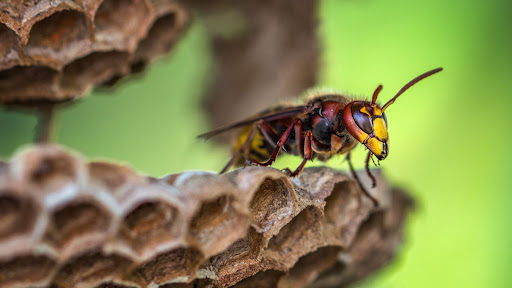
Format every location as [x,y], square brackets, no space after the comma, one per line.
[71,223]
[57,50]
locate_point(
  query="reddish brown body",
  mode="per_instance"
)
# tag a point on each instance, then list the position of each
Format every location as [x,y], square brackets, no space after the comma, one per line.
[316,117]
[326,125]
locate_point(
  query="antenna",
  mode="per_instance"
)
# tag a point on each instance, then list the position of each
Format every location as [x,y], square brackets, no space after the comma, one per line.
[408,85]
[375,94]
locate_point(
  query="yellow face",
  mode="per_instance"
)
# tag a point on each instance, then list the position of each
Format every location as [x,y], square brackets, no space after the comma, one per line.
[367,123]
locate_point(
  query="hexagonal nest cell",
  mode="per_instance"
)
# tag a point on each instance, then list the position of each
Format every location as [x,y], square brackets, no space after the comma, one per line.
[17,215]
[150,224]
[214,226]
[90,269]
[79,224]
[82,74]
[9,46]
[180,263]
[103,225]
[27,271]
[24,83]
[59,50]
[116,22]
[58,38]
[272,201]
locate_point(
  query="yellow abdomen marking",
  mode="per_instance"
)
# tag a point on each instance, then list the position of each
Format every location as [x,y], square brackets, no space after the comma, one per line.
[256,148]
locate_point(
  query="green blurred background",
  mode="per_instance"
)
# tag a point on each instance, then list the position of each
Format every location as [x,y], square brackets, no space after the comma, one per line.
[450,144]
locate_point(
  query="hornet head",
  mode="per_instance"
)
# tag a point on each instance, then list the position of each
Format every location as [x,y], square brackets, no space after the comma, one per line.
[367,123]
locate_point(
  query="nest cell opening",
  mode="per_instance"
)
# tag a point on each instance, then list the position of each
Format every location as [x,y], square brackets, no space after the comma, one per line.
[49,171]
[158,41]
[334,274]
[119,20]
[308,267]
[339,202]
[298,234]
[115,178]
[271,203]
[57,32]
[177,263]
[52,167]
[24,83]
[163,26]
[344,210]
[17,216]
[8,41]
[238,260]
[111,176]
[76,220]
[150,224]
[27,271]
[216,225]
[91,269]
[93,69]
[238,253]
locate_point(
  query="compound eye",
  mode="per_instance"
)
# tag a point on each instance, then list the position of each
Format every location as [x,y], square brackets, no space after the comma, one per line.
[363,120]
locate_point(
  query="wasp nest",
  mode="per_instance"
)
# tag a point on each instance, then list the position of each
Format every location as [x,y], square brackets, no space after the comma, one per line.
[68,223]
[56,50]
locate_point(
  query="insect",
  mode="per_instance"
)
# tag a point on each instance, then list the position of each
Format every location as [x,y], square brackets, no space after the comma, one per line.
[324,126]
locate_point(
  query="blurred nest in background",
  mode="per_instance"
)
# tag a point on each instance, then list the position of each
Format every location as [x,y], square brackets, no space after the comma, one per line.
[54,51]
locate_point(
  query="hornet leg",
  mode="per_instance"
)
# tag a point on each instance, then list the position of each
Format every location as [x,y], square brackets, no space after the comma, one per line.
[299,140]
[368,169]
[280,144]
[375,203]
[268,133]
[307,156]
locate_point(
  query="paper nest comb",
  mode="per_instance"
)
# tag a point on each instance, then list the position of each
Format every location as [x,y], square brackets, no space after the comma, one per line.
[68,223]
[56,50]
